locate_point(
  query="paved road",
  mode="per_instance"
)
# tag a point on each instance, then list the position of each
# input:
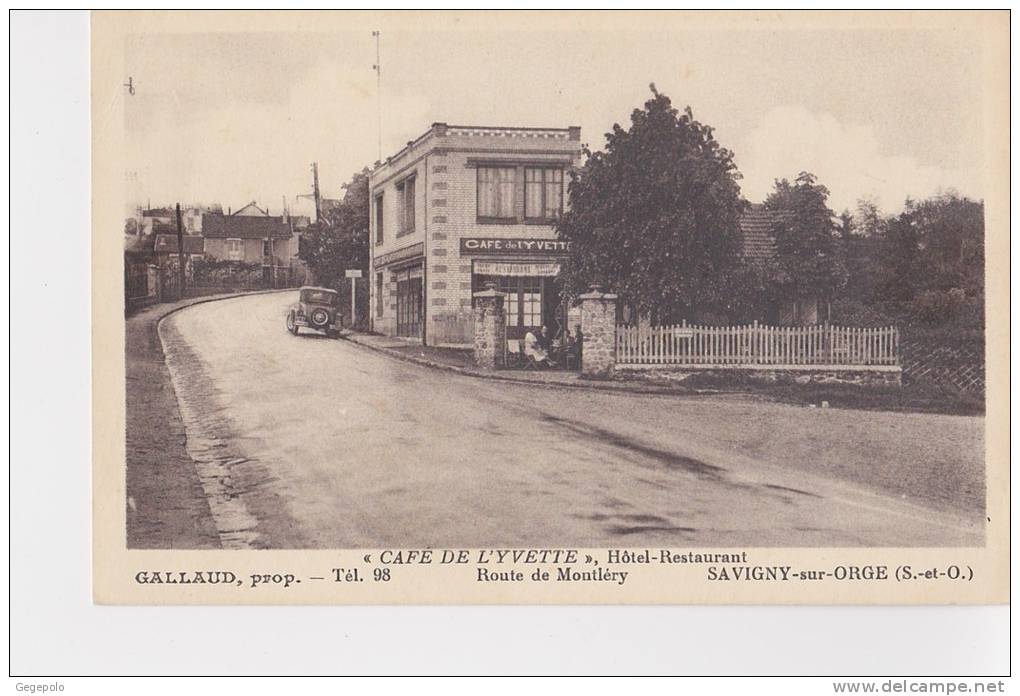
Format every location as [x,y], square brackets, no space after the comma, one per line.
[307,442]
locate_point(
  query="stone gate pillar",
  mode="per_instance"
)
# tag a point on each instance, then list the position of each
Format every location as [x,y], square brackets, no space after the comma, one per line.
[598,326]
[490,328]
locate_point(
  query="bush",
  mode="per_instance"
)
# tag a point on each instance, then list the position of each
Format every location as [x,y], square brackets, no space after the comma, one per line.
[853,313]
[221,272]
[942,306]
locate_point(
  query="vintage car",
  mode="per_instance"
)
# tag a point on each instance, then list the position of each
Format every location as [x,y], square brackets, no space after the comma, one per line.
[318,309]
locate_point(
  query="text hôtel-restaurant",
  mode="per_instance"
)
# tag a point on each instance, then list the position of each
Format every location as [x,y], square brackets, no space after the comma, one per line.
[459,207]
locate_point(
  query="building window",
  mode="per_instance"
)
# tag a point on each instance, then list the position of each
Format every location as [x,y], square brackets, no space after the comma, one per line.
[234,248]
[543,193]
[405,197]
[378,294]
[379,219]
[266,247]
[496,192]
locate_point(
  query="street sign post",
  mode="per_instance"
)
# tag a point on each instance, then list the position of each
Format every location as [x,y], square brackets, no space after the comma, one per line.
[353,274]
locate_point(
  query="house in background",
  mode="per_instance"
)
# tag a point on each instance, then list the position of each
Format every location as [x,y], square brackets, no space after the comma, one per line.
[151,218]
[151,263]
[252,236]
[249,238]
[758,246]
[194,245]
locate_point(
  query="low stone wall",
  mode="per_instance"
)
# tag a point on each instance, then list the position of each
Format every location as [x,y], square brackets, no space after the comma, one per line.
[798,374]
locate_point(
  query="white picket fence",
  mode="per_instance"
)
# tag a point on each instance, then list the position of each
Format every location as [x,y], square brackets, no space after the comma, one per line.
[822,344]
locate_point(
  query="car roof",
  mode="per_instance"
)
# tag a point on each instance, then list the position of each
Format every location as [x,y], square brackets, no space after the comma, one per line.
[312,287]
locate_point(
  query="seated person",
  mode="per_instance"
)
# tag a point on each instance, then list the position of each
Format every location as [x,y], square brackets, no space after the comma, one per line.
[565,341]
[534,349]
[544,341]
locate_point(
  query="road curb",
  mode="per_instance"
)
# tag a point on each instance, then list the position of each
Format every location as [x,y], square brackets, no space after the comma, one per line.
[645,390]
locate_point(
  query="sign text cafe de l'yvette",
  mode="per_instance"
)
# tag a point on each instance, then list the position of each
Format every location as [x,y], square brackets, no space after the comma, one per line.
[508,246]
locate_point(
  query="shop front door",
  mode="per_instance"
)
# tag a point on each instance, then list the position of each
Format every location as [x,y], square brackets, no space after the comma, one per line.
[523,305]
[409,306]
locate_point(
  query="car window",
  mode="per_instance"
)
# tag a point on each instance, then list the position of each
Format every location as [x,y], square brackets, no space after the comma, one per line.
[320,296]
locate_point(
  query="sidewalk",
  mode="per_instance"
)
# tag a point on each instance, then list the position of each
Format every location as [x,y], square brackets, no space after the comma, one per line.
[461,361]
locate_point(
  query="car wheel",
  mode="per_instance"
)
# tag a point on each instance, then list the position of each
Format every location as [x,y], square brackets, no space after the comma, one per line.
[291,324]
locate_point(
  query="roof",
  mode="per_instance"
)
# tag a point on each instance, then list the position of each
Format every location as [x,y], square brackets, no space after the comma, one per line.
[250,209]
[567,140]
[163,228]
[218,226]
[320,289]
[758,243]
[167,244]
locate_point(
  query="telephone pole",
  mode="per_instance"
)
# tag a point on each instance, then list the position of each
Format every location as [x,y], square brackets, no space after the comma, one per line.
[180,254]
[378,91]
[315,192]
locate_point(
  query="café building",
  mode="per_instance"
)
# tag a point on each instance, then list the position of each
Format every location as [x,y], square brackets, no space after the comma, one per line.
[462,206]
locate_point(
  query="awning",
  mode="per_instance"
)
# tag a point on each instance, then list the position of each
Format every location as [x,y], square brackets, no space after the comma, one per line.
[496,268]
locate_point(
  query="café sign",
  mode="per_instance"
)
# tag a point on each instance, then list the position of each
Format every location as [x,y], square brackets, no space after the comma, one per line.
[505,246]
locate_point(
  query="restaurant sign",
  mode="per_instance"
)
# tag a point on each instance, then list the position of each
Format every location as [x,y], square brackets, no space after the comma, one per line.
[500,245]
[495,268]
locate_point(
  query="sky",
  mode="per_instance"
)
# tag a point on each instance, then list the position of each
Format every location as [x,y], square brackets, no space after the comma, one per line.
[232,117]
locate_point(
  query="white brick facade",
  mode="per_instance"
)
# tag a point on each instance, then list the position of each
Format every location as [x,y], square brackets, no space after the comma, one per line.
[444,165]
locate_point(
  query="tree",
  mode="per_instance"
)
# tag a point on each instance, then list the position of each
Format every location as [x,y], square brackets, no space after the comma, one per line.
[867,219]
[808,255]
[951,236]
[654,216]
[930,261]
[861,235]
[339,241]
[897,262]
